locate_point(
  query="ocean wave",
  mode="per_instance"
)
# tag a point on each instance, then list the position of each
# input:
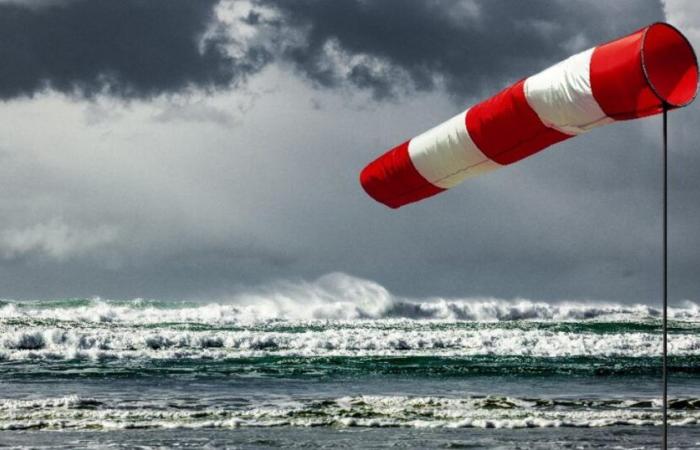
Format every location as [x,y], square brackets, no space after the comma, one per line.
[357,411]
[69,401]
[334,297]
[22,343]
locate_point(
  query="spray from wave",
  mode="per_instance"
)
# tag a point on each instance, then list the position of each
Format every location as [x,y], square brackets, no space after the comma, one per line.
[338,316]
[335,297]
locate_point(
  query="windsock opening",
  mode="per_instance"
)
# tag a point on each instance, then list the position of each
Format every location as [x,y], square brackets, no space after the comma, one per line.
[669,64]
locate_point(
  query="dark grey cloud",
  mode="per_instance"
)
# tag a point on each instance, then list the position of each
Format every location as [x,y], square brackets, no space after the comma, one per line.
[473,46]
[127,48]
[140,48]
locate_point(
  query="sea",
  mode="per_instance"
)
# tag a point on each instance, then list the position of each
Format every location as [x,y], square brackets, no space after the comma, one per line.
[342,363]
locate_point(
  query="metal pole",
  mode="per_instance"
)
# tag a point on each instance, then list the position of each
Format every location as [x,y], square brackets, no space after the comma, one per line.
[665,278]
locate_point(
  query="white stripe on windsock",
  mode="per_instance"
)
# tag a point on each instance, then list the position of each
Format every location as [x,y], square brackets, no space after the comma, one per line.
[562,97]
[445,155]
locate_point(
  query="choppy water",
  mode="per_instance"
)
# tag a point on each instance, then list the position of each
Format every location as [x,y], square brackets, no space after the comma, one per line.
[343,363]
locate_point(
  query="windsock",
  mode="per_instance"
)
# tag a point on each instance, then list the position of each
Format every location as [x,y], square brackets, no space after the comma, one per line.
[635,76]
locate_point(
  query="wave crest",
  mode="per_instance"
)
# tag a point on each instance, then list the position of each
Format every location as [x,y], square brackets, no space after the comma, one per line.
[356,411]
[335,297]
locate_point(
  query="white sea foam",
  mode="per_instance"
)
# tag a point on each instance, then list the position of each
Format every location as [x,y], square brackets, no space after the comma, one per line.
[359,411]
[69,401]
[21,343]
[335,297]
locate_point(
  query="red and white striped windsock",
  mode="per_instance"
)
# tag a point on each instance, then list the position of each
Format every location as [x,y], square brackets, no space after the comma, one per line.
[634,76]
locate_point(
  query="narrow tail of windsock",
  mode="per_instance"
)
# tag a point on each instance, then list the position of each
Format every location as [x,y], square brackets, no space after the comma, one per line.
[635,76]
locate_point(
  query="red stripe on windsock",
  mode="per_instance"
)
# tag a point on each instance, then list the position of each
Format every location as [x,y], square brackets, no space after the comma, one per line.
[633,76]
[392,179]
[627,96]
[506,129]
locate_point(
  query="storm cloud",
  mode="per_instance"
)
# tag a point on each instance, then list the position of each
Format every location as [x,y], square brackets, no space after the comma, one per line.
[140,48]
[125,48]
[471,47]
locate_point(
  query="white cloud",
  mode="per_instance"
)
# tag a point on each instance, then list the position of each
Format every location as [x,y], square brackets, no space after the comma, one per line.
[54,240]
[685,14]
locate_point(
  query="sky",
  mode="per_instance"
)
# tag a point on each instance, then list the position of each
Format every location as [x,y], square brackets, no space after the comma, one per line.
[187,150]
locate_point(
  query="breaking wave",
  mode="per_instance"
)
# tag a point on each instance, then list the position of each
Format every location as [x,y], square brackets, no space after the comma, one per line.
[336,297]
[54,343]
[341,324]
[358,411]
